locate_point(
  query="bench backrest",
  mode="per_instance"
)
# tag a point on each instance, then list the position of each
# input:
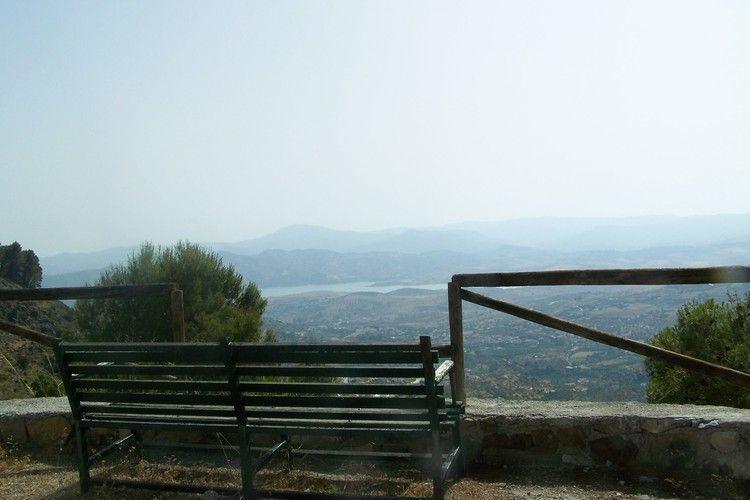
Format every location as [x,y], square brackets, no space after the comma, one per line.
[352,384]
[110,380]
[259,384]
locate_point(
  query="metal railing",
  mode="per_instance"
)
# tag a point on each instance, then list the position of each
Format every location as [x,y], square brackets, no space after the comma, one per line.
[457,293]
[176,304]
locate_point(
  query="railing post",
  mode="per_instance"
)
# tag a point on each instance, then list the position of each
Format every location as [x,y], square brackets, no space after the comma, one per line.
[456,325]
[178,314]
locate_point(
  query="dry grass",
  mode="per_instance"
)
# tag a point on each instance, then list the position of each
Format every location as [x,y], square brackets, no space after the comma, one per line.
[24,475]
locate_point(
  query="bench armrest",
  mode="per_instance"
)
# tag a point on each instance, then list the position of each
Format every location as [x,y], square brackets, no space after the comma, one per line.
[443,370]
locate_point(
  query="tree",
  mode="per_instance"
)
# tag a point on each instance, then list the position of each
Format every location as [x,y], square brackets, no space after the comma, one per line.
[20,266]
[718,332]
[217,304]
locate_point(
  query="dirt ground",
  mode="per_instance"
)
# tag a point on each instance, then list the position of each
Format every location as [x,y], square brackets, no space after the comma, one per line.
[28,475]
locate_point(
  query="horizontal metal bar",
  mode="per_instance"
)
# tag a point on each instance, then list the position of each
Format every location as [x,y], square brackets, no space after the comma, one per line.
[317,421]
[28,333]
[329,371]
[193,370]
[295,495]
[674,276]
[90,409]
[135,346]
[208,354]
[339,357]
[143,385]
[367,455]
[158,486]
[86,292]
[443,349]
[416,402]
[195,446]
[154,398]
[335,431]
[146,425]
[322,388]
[125,409]
[675,358]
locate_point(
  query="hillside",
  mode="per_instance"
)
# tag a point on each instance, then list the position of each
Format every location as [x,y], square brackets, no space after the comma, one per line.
[21,360]
[507,357]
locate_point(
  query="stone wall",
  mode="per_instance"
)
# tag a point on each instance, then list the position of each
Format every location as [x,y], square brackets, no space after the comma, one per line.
[643,438]
[40,422]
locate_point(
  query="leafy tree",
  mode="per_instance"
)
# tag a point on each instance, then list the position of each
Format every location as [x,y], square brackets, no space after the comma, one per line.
[217,304]
[718,332]
[20,266]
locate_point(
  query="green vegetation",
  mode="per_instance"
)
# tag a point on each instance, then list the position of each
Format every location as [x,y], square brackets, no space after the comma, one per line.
[718,332]
[217,304]
[20,266]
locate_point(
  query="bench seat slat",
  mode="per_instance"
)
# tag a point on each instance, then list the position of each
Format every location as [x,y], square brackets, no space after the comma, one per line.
[250,355]
[140,397]
[328,371]
[146,425]
[332,388]
[144,385]
[333,414]
[337,431]
[157,410]
[340,402]
[194,355]
[211,353]
[280,346]
[122,369]
[318,423]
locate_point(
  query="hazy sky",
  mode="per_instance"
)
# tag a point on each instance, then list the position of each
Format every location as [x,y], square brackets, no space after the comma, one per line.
[125,121]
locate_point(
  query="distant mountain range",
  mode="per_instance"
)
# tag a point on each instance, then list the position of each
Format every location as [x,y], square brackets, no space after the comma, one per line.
[298,255]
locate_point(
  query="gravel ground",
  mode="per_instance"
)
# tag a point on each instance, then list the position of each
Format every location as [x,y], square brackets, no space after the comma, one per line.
[29,476]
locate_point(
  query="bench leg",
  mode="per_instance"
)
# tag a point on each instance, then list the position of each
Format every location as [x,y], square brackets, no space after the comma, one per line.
[82,455]
[246,465]
[437,466]
[457,443]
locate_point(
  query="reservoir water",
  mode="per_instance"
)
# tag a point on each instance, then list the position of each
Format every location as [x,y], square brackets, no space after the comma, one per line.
[357,286]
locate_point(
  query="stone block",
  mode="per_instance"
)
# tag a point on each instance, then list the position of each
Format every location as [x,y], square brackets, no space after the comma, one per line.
[48,432]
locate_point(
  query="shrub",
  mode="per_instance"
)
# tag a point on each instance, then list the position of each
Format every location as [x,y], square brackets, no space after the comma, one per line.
[718,332]
[217,304]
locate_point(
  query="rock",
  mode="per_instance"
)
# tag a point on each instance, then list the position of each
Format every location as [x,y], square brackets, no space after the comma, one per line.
[712,423]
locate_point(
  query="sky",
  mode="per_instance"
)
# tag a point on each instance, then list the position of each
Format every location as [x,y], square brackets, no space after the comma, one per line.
[220,121]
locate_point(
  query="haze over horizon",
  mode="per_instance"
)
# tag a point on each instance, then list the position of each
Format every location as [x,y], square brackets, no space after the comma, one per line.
[162,121]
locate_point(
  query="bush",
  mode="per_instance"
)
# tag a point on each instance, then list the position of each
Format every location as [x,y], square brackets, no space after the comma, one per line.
[217,304]
[718,332]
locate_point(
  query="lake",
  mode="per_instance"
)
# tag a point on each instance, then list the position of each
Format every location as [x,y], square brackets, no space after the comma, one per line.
[357,286]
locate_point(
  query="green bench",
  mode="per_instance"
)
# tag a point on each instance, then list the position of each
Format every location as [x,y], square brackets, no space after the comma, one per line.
[383,393]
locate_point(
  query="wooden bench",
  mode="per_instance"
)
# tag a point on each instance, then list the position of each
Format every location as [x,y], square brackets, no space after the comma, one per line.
[385,394]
